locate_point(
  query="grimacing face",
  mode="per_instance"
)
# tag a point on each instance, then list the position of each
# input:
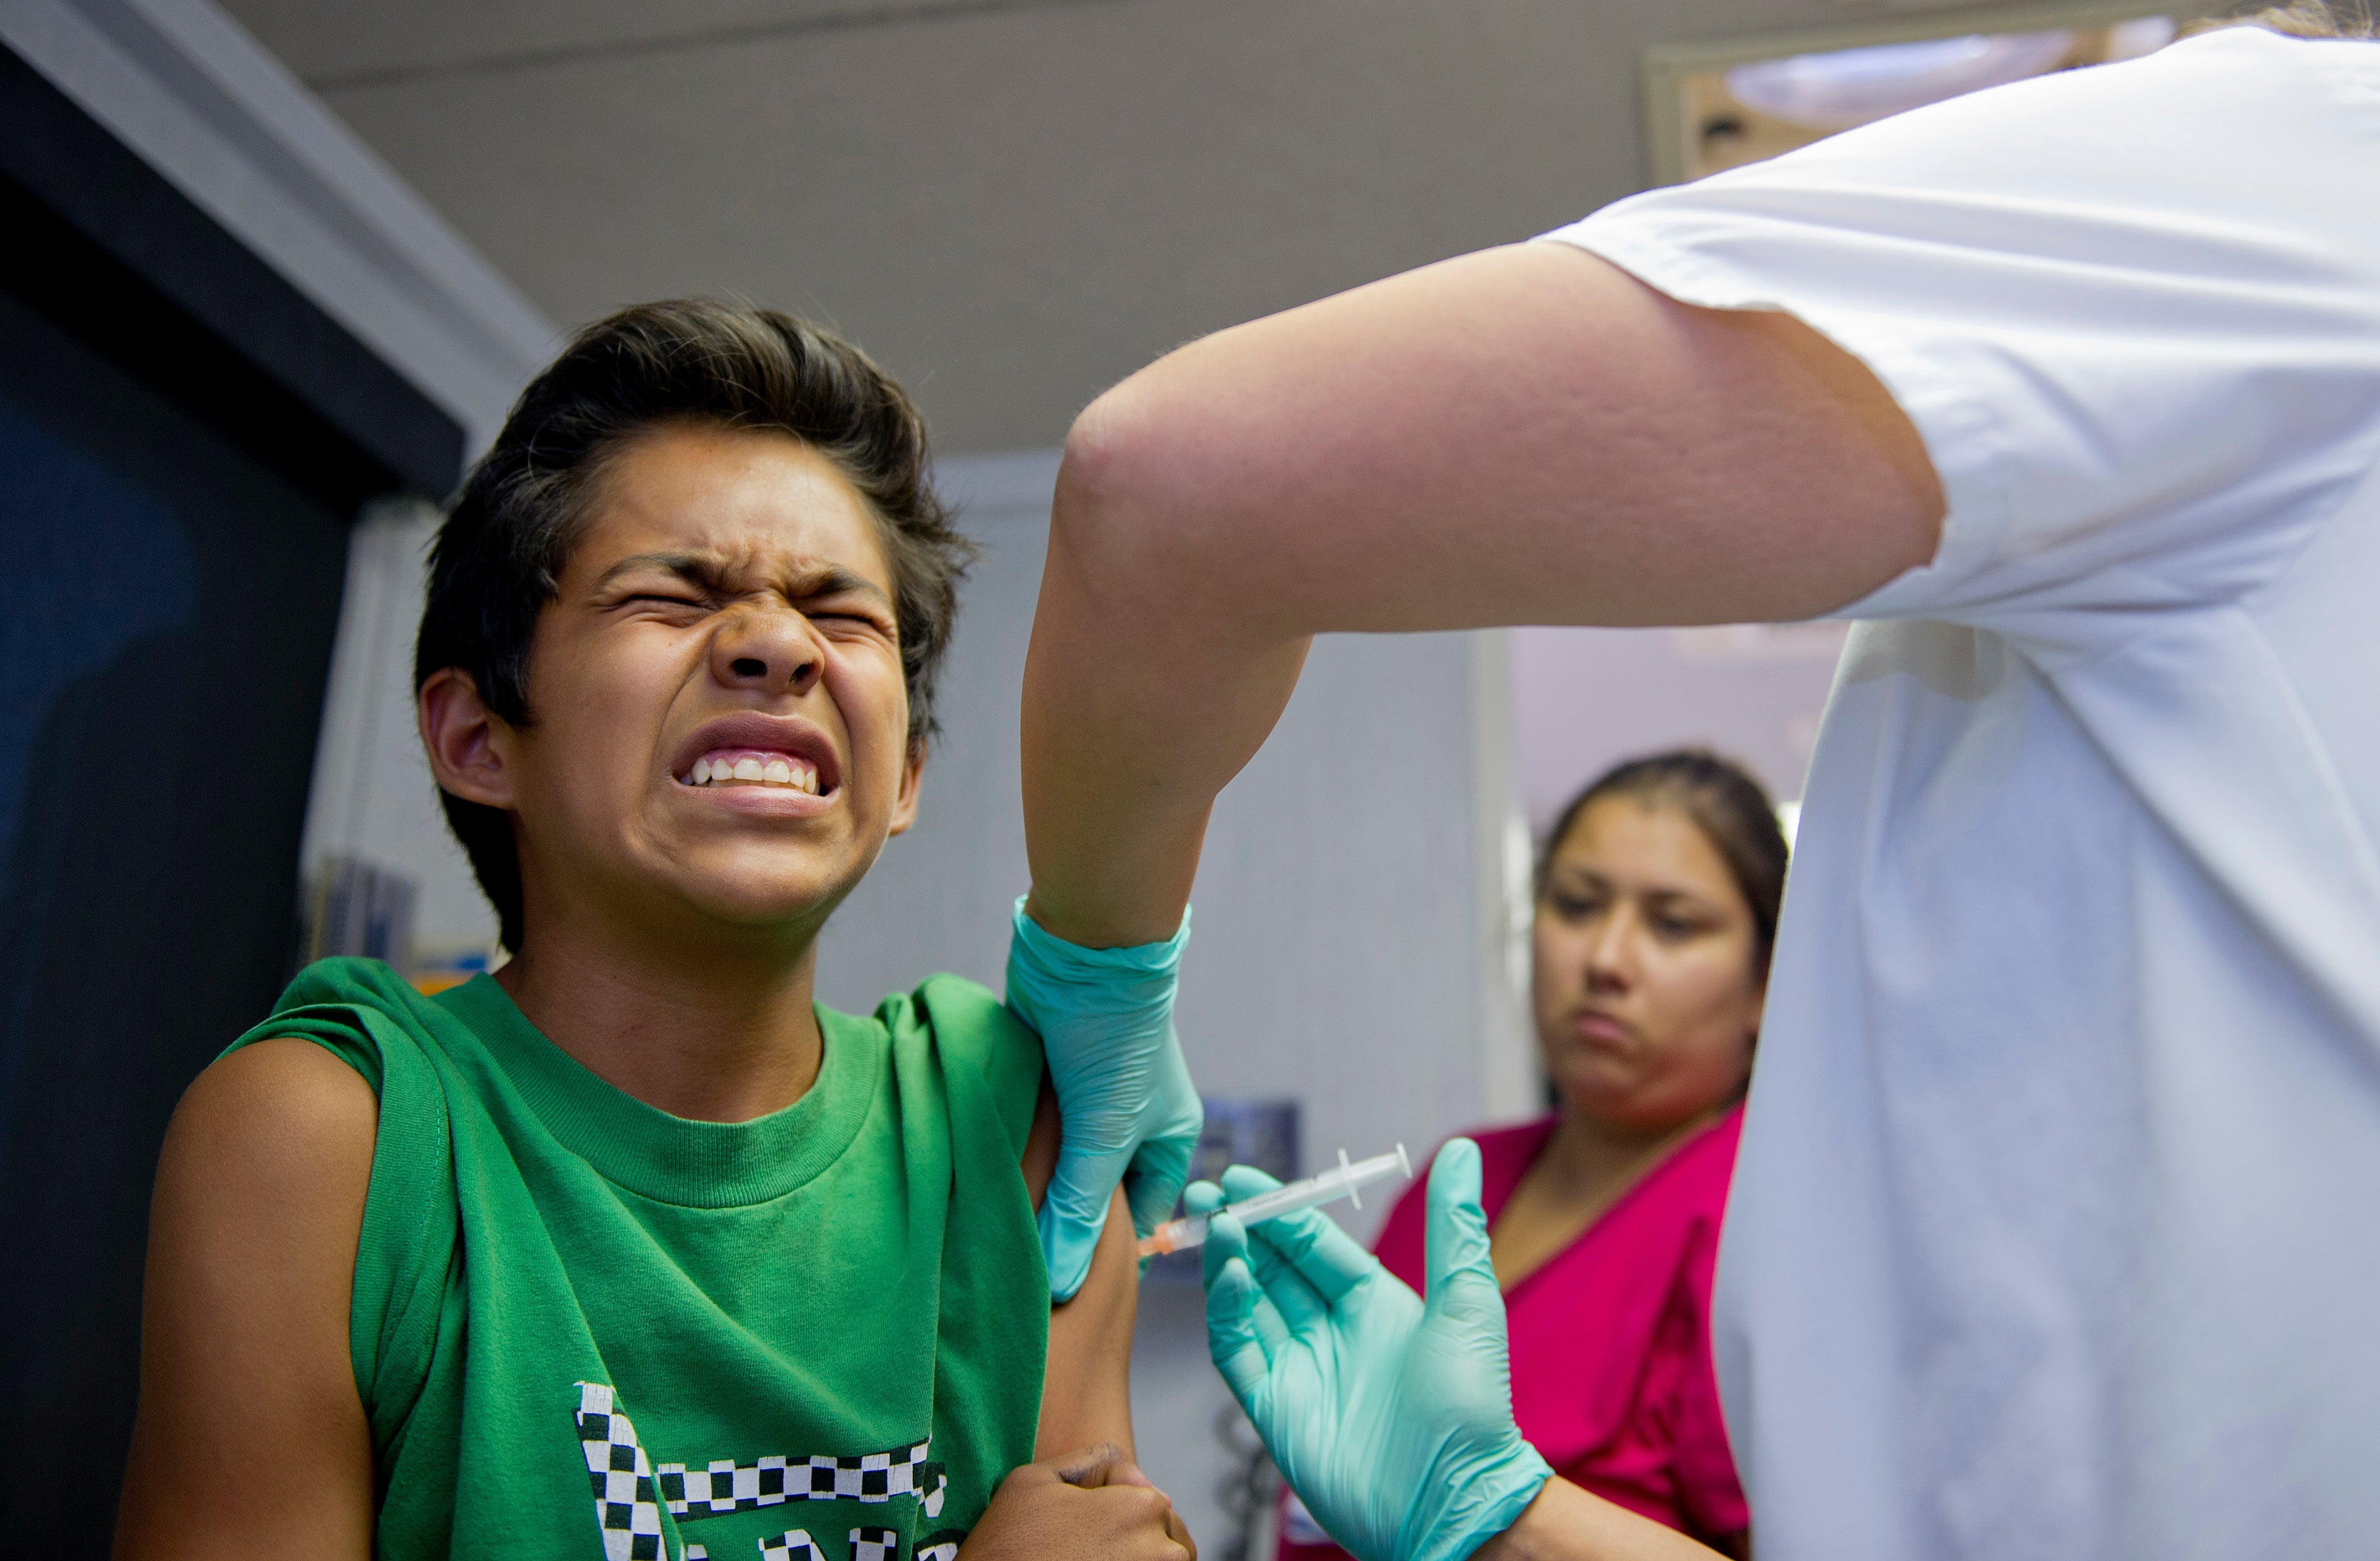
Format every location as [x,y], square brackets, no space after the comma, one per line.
[719,734]
[1644,995]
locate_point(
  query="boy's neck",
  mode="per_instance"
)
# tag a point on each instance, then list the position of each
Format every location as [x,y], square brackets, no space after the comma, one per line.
[715,1040]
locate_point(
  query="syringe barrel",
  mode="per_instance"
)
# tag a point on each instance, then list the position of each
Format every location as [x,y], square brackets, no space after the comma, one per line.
[1327,1187]
[1175,1235]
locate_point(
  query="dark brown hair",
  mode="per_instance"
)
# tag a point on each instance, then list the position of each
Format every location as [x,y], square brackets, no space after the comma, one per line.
[504,547]
[1727,805]
[2302,19]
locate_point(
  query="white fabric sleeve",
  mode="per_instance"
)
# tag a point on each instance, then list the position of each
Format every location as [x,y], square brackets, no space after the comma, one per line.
[2133,310]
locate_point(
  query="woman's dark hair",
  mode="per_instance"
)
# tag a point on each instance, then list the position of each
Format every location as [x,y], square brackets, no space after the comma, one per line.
[1727,805]
[503,549]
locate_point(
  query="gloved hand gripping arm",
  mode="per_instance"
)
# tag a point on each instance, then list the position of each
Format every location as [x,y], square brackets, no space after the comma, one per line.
[1129,1110]
[1391,1416]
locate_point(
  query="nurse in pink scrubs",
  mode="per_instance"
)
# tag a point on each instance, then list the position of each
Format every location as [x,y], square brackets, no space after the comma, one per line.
[1657,903]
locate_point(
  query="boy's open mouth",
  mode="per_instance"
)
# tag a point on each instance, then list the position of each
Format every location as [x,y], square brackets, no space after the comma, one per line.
[754,767]
[757,753]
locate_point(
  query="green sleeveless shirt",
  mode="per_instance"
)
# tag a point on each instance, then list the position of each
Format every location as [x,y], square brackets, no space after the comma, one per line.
[819,1335]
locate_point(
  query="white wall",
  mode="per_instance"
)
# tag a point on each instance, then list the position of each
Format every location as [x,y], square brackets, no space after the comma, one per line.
[1583,699]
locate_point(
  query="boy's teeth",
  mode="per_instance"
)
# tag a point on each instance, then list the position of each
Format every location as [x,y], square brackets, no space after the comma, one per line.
[774,770]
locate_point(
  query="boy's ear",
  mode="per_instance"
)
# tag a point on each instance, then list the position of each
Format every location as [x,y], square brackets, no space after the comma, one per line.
[913,776]
[464,741]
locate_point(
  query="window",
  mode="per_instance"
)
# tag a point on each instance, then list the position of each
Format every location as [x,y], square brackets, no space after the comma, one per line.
[1715,107]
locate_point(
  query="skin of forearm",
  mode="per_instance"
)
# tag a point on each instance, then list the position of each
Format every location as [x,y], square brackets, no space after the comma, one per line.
[1139,705]
[1567,1524]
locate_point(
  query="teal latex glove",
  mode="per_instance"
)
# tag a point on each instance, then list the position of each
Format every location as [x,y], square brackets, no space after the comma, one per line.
[1130,1111]
[1390,1417]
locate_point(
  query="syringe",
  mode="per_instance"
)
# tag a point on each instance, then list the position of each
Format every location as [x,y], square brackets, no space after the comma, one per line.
[1191,1230]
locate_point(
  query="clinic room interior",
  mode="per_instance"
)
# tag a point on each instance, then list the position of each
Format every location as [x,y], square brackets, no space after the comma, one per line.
[279,271]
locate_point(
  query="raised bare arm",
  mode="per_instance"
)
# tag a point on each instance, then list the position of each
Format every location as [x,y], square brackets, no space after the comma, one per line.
[1526,435]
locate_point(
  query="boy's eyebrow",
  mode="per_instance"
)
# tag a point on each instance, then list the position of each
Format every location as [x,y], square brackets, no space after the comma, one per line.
[833,579]
[705,572]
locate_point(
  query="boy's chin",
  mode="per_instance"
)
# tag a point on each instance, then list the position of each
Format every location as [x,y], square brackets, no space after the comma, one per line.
[759,901]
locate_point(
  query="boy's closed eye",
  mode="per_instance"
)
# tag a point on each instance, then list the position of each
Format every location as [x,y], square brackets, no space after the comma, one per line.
[667,600]
[831,595]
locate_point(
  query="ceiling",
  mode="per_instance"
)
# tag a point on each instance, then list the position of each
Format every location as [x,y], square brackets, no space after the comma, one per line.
[1010,203]
[343,45]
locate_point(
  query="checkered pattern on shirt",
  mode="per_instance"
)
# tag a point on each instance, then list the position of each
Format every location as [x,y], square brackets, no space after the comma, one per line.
[626,1504]
[723,1485]
[941,1546]
[874,1544]
[794,1545]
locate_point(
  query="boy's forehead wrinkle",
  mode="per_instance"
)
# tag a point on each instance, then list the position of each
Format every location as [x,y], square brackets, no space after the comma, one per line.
[750,523]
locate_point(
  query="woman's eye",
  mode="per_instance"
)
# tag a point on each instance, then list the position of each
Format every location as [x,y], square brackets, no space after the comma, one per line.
[1573,910]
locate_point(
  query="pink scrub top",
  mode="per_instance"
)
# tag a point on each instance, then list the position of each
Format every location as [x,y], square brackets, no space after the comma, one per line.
[1610,1339]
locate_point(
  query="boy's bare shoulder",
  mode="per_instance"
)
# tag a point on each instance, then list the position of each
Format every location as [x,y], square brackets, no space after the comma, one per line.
[276,1106]
[271,1148]
[245,1364]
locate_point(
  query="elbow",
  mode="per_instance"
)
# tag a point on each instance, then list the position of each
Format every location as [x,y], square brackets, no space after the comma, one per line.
[1107,438]
[1106,478]
[1134,512]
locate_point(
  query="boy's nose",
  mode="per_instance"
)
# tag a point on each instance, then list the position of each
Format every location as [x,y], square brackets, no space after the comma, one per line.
[778,656]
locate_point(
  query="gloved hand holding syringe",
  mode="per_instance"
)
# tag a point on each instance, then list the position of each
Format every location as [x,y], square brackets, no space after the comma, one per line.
[1345,1181]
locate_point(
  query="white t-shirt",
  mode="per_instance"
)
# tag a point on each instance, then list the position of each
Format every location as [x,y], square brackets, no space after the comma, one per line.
[2056,1232]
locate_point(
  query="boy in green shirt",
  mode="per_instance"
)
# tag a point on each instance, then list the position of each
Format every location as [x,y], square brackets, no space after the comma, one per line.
[631,1251]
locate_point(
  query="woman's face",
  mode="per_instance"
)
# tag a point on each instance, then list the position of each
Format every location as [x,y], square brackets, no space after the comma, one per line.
[1645,998]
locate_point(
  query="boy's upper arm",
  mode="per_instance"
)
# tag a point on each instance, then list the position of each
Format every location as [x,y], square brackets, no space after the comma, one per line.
[1087,1385]
[251,1438]
[1040,1162]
